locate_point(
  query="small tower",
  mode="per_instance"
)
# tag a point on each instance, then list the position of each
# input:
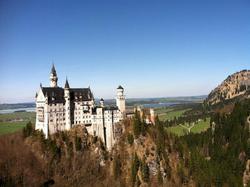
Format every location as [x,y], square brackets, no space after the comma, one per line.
[53,77]
[152,115]
[67,105]
[102,102]
[120,99]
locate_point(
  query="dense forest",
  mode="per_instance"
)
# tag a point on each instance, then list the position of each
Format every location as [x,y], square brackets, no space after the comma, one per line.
[218,156]
[145,155]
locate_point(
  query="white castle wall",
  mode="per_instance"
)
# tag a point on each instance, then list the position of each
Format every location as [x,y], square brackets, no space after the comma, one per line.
[51,118]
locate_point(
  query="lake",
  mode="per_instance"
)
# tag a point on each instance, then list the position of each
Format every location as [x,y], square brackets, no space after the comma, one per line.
[7,111]
[146,105]
[160,105]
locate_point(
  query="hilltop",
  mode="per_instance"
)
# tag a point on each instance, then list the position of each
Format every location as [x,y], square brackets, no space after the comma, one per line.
[233,87]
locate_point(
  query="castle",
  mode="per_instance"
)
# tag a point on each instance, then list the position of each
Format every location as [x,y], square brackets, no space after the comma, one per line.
[59,109]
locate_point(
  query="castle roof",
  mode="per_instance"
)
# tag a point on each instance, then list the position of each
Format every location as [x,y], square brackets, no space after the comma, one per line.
[120,87]
[81,94]
[53,70]
[56,94]
[66,84]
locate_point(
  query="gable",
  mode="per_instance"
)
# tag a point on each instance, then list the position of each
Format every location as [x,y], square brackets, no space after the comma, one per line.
[40,96]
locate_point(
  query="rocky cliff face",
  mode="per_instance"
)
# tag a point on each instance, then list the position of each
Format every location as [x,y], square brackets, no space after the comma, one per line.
[235,85]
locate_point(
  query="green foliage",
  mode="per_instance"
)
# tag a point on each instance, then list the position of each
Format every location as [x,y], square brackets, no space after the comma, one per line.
[160,137]
[181,174]
[130,139]
[53,148]
[134,168]
[145,171]
[215,154]
[167,167]
[159,176]
[78,143]
[28,130]
[139,125]
[117,167]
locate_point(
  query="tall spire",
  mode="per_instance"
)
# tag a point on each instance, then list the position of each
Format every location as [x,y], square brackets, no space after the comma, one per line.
[53,70]
[53,77]
[66,84]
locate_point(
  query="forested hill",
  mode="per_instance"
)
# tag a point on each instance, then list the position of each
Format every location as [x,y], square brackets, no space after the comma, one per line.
[235,85]
[219,156]
[145,155]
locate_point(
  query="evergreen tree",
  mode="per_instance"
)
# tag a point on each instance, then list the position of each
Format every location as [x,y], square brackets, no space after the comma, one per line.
[145,171]
[130,139]
[78,143]
[28,130]
[159,176]
[134,168]
[137,124]
[160,141]
[143,125]
[117,167]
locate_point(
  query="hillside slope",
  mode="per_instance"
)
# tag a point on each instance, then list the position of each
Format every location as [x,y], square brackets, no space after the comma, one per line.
[235,85]
[75,158]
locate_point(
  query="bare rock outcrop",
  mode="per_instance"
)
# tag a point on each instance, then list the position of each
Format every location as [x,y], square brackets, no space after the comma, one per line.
[235,85]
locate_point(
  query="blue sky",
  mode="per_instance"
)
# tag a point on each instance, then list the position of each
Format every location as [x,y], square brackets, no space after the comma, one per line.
[152,48]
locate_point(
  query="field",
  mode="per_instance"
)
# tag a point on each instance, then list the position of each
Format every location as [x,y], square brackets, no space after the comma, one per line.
[13,122]
[169,113]
[181,130]
[10,127]
[17,116]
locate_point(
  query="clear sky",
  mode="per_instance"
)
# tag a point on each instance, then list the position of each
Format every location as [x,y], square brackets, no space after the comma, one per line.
[152,48]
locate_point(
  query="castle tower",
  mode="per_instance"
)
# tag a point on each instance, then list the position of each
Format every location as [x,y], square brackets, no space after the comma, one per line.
[120,99]
[53,77]
[67,106]
[152,115]
[102,102]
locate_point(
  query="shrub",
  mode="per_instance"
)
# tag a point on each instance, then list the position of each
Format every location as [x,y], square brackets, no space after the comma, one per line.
[134,168]
[28,130]
[130,139]
[78,143]
[145,171]
[117,167]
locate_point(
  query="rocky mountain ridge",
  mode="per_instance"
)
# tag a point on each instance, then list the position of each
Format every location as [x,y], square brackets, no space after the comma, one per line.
[233,86]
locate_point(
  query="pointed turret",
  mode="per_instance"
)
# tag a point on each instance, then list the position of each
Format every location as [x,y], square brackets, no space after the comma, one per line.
[53,77]
[67,105]
[66,84]
[53,70]
[120,87]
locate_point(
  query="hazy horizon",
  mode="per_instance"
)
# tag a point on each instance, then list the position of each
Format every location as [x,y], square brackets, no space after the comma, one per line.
[132,98]
[153,49]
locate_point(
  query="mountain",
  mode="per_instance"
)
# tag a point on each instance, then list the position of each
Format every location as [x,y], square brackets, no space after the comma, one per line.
[234,86]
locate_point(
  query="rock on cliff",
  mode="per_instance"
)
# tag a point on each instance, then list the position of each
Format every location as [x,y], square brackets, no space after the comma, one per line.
[237,84]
